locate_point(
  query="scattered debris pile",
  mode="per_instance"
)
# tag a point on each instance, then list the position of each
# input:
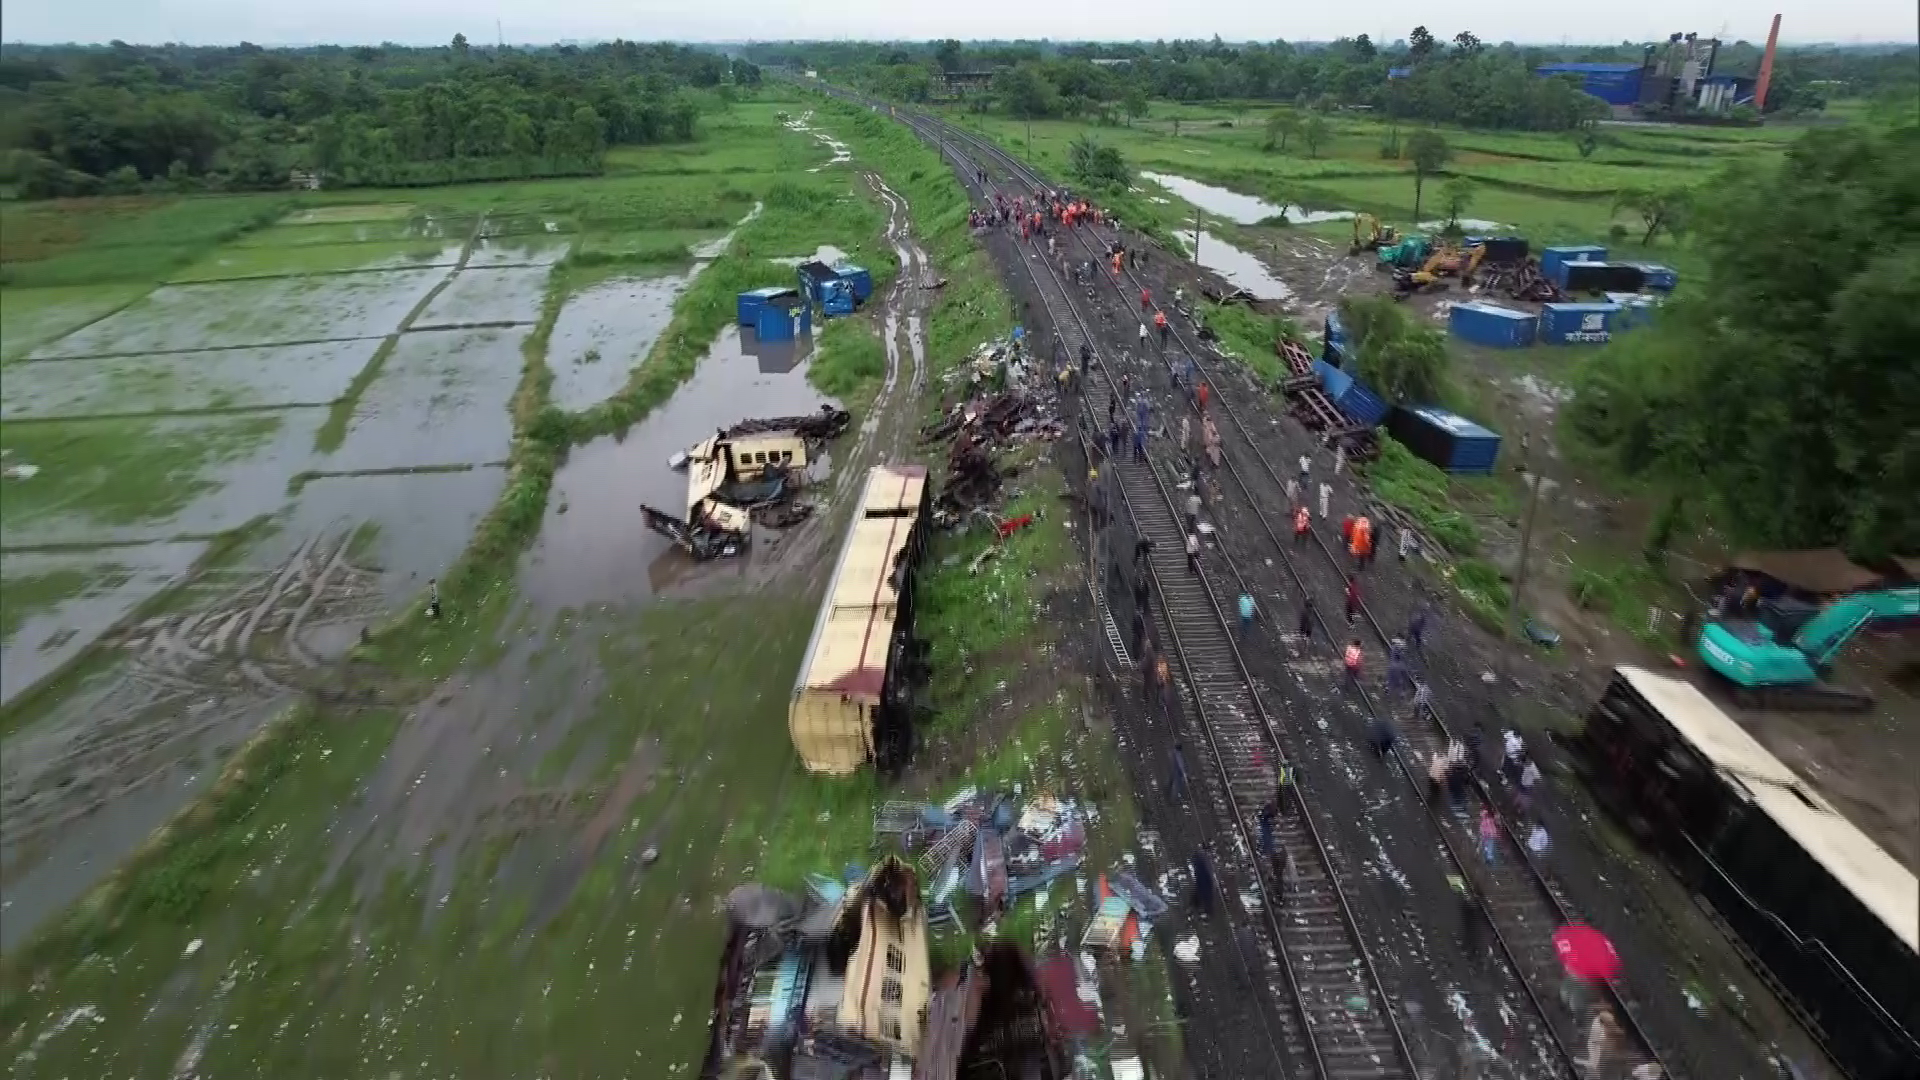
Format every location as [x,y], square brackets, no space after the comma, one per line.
[1519,281]
[841,984]
[1008,401]
[1308,402]
[747,474]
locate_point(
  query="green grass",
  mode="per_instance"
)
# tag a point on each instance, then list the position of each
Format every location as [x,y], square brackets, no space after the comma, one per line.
[94,241]
[30,318]
[122,472]
[850,359]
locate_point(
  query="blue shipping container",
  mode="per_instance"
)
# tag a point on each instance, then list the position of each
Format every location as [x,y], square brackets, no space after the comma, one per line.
[1576,324]
[1662,278]
[858,276]
[1353,397]
[1491,325]
[747,306]
[1334,350]
[1554,256]
[773,322]
[1450,441]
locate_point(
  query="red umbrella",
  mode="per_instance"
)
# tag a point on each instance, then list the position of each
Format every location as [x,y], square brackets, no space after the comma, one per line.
[1585,952]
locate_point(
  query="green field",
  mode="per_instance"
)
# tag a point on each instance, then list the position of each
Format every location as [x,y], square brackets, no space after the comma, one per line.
[529,935]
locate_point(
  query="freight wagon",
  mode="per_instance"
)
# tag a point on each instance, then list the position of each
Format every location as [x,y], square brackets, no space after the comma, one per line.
[1491,325]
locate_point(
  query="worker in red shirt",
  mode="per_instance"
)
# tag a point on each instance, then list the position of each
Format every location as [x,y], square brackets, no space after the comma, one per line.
[1201,392]
[1346,531]
[1353,599]
[1351,658]
[1302,524]
[1160,323]
[1146,299]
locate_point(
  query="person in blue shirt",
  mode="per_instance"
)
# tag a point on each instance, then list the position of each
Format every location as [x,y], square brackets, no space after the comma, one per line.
[1246,615]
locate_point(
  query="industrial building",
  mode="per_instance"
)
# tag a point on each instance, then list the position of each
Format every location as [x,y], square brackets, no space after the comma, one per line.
[1618,85]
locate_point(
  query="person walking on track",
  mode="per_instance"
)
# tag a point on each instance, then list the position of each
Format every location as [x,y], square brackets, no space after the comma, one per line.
[1302,525]
[1353,599]
[1177,781]
[1352,659]
[1193,551]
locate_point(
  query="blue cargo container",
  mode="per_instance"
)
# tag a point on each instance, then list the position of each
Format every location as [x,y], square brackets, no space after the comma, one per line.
[1636,309]
[1353,397]
[1593,277]
[1335,348]
[859,278]
[747,306]
[1491,325]
[1552,257]
[1576,324]
[775,322]
[1659,278]
[1452,442]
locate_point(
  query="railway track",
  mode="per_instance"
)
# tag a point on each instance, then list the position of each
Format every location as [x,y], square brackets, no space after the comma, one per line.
[1523,906]
[1341,1024]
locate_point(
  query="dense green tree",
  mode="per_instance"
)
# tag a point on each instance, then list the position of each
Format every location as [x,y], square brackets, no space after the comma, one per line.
[1314,134]
[1395,354]
[1420,44]
[1096,164]
[1025,92]
[1457,196]
[1429,152]
[1782,387]
[1281,126]
[1660,209]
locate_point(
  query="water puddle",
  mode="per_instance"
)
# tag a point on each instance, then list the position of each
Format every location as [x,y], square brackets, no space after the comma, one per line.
[442,398]
[1467,224]
[841,152]
[185,382]
[509,250]
[1238,208]
[713,249]
[412,525]
[1239,268]
[89,592]
[594,546]
[604,332]
[488,295]
[825,253]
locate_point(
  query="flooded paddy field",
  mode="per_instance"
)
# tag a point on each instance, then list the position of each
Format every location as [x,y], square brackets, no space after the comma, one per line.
[533,802]
[202,380]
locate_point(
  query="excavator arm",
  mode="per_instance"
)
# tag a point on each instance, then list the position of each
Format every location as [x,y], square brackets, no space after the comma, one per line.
[1827,633]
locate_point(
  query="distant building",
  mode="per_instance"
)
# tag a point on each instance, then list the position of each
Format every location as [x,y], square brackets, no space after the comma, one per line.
[1111,61]
[1399,72]
[1616,84]
[957,84]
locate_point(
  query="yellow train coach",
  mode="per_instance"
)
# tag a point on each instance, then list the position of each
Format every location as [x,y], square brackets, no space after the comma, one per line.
[851,701]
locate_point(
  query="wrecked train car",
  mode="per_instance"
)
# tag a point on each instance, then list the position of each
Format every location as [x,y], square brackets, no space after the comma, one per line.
[727,479]
[852,701]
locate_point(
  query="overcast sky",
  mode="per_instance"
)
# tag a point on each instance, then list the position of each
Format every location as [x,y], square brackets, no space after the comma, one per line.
[298,22]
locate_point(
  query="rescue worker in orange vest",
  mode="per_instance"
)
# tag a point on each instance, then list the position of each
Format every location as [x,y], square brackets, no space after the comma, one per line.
[1302,524]
[1352,661]
[1116,264]
[1360,542]
[1160,322]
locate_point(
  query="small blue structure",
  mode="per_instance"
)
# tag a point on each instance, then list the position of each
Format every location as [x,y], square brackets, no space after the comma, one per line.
[1659,278]
[1578,324]
[1450,441]
[1597,277]
[1551,258]
[1636,309]
[747,307]
[1615,84]
[1353,397]
[859,278]
[779,322]
[1334,347]
[1491,325]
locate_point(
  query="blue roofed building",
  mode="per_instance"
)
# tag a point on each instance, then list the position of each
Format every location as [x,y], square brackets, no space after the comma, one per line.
[1616,84]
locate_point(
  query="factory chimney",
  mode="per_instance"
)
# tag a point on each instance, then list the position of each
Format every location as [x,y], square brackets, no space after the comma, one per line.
[1766,68]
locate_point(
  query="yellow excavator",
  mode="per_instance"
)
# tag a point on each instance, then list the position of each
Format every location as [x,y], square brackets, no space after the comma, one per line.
[1449,262]
[1370,235]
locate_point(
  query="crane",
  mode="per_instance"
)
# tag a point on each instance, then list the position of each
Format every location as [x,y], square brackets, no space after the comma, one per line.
[1767,672]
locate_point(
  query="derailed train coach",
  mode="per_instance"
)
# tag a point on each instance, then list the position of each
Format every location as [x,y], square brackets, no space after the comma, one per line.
[1826,914]
[852,702]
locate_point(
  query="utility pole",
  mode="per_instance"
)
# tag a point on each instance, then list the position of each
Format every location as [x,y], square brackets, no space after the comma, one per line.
[1537,481]
[1196,234]
[1029,138]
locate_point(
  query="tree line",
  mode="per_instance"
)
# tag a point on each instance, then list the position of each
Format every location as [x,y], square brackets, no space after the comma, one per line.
[78,120]
[1462,80]
[1781,393]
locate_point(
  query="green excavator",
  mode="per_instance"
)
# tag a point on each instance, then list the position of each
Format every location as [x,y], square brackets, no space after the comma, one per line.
[1767,672]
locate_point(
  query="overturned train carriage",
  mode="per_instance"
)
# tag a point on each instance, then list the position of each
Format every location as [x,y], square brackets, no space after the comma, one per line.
[1828,915]
[852,702]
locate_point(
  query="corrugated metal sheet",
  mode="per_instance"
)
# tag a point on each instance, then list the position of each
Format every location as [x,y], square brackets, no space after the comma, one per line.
[1491,325]
[1615,84]
[1577,324]
[1552,257]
